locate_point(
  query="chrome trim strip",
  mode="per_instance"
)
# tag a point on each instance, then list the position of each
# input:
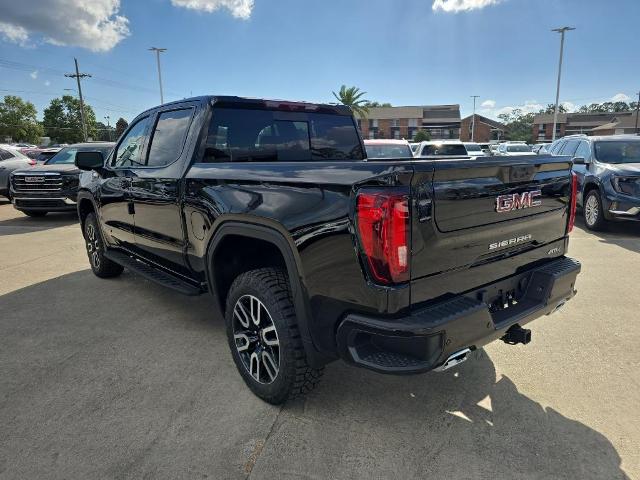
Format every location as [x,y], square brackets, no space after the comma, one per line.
[631,211]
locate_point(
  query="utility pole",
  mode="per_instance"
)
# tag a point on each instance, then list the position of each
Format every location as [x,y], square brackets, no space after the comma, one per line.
[158,52]
[473,118]
[79,76]
[106,117]
[637,112]
[561,31]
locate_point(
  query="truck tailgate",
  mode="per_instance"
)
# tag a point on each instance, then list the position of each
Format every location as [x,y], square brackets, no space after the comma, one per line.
[499,212]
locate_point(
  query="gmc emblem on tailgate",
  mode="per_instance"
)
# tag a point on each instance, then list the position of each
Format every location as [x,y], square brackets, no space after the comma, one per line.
[517,201]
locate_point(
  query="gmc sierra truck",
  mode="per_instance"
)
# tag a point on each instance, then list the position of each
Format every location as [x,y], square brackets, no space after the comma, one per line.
[312,252]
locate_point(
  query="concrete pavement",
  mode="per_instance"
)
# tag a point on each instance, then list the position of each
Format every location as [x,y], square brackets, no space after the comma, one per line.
[122,378]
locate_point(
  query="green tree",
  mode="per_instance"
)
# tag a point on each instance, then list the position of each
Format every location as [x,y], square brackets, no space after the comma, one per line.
[18,120]
[377,104]
[519,125]
[422,136]
[121,126]
[63,122]
[352,97]
[551,108]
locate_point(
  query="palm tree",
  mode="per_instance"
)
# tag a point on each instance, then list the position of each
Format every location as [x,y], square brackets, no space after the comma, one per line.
[352,97]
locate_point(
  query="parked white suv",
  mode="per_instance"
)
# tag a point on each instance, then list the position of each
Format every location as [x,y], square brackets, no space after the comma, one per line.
[514,149]
[442,148]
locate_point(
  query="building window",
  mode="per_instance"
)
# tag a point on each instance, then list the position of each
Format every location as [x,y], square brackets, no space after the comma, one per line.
[372,135]
[445,133]
[413,122]
[541,127]
[359,124]
[395,122]
[396,134]
[373,123]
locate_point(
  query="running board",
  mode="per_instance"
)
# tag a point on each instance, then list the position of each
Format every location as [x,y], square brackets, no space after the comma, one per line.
[152,273]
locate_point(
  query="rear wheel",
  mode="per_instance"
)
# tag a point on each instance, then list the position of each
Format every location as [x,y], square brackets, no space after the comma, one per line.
[102,267]
[34,213]
[593,215]
[264,338]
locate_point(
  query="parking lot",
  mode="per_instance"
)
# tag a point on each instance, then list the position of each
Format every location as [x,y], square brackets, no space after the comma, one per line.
[124,379]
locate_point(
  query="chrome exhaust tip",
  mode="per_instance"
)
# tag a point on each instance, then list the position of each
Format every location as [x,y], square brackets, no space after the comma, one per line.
[454,359]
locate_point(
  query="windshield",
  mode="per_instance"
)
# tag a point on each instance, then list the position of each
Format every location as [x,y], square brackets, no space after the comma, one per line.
[67,156]
[455,149]
[473,147]
[388,151]
[518,148]
[618,151]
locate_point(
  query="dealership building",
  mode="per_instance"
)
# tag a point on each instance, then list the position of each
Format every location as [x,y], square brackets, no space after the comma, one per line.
[575,123]
[441,121]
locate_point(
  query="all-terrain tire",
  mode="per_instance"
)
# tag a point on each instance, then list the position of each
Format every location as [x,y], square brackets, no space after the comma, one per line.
[100,265]
[270,287]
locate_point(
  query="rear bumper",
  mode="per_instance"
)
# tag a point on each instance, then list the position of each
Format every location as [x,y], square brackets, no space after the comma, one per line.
[424,339]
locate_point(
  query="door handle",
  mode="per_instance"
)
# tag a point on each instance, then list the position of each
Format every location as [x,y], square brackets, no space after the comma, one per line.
[131,208]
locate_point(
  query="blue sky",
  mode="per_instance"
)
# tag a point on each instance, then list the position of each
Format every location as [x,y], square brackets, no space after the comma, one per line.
[399,51]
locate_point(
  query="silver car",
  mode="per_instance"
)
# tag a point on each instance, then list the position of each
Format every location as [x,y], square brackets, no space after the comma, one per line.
[11,159]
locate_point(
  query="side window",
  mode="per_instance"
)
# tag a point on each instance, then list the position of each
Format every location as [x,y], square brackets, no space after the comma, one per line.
[4,155]
[584,151]
[569,148]
[167,139]
[129,153]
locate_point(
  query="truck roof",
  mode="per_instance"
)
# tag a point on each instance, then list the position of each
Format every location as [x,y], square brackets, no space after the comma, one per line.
[266,104]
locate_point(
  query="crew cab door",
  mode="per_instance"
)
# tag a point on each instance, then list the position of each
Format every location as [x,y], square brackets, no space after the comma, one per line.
[116,212]
[155,188]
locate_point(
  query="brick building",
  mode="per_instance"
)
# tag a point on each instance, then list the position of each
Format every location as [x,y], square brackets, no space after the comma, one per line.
[441,121]
[485,130]
[572,123]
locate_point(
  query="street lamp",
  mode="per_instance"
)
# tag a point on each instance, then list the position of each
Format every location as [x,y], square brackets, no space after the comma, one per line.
[158,52]
[561,31]
[473,118]
[107,117]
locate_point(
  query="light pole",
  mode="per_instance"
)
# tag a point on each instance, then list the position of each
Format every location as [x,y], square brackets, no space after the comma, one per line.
[106,117]
[561,31]
[637,112]
[158,52]
[473,118]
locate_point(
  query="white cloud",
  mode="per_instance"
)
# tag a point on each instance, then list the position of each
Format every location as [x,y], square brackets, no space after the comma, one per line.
[488,104]
[47,83]
[14,33]
[238,8]
[34,74]
[620,97]
[94,25]
[455,6]
[569,106]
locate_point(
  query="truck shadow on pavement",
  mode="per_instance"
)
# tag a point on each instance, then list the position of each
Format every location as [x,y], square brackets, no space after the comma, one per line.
[124,379]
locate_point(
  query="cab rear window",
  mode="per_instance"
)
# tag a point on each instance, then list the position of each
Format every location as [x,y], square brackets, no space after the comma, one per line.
[247,135]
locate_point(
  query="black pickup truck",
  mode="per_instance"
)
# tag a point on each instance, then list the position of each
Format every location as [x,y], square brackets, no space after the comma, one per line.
[312,252]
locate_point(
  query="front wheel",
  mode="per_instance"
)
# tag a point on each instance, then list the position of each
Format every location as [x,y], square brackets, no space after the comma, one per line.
[100,265]
[593,214]
[264,338]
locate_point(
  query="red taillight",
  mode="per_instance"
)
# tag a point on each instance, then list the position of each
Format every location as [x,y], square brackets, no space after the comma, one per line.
[572,202]
[383,227]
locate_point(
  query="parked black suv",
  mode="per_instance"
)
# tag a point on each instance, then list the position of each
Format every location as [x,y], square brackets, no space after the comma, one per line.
[51,186]
[608,172]
[312,252]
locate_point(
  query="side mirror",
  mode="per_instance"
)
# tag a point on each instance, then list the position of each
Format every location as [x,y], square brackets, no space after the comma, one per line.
[579,161]
[89,160]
